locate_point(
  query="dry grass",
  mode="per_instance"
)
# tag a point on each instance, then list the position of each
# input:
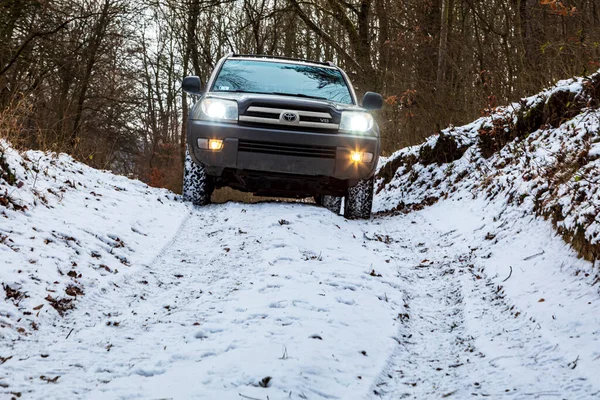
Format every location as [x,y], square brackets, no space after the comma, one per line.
[11,123]
[19,128]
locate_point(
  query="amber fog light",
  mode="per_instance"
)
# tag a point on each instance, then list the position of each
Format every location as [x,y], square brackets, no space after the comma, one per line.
[212,144]
[356,156]
[215,144]
[359,156]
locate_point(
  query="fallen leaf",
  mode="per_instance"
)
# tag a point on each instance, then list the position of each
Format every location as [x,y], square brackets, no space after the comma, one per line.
[49,380]
[265,382]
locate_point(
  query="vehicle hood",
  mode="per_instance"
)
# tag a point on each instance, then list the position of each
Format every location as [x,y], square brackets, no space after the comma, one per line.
[245,98]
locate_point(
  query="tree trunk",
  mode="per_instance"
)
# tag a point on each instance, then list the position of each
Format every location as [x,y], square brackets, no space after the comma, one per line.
[443,50]
[95,42]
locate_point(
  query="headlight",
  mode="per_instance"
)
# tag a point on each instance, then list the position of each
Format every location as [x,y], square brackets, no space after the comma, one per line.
[216,110]
[356,122]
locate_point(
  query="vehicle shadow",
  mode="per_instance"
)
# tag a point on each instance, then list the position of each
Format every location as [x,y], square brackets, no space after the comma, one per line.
[225,195]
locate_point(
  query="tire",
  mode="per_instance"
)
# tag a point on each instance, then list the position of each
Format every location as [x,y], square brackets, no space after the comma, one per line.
[359,200]
[197,184]
[332,203]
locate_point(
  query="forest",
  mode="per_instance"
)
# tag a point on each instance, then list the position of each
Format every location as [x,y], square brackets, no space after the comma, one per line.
[101,79]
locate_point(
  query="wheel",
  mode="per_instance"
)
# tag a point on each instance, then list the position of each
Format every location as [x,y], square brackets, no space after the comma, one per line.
[332,203]
[197,184]
[359,200]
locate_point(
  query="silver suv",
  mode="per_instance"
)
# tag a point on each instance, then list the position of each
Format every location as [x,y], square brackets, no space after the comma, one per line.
[284,127]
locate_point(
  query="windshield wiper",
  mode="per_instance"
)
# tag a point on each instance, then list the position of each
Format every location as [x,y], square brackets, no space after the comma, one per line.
[234,91]
[299,95]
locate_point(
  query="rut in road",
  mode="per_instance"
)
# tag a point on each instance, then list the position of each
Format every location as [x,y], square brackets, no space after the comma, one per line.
[461,337]
[433,335]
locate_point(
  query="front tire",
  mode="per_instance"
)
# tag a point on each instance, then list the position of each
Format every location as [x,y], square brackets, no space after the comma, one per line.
[332,203]
[359,200]
[197,184]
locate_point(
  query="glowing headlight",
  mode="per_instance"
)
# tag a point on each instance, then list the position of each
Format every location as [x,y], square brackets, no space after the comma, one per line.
[356,122]
[216,110]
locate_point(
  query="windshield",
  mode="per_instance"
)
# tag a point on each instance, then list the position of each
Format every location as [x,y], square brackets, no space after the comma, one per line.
[284,79]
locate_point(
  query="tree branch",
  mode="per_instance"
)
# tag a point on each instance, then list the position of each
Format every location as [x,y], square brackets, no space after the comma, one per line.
[35,35]
[312,25]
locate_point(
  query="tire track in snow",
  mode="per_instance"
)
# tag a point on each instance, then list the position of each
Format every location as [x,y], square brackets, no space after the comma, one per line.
[98,294]
[463,341]
[432,336]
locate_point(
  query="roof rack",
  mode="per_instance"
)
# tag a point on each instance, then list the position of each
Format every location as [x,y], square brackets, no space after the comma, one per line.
[328,63]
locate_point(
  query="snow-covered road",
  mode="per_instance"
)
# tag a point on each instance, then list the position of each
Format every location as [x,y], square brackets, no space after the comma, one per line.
[279,301]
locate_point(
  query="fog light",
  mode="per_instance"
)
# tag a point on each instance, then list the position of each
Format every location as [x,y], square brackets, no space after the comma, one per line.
[215,144]
[359,156]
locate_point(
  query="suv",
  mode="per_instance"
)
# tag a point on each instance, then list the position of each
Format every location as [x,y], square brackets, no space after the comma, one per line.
[283,127]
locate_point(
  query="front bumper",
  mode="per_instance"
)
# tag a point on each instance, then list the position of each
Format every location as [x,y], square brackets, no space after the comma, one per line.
[337,166]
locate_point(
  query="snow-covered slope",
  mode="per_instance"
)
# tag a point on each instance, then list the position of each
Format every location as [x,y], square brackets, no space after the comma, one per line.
[67,230]
[541,155]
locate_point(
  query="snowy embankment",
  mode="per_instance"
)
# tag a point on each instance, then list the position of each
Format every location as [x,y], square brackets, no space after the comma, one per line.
[541,155]
[67,230]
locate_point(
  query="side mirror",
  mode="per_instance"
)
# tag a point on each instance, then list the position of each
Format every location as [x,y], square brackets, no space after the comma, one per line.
[372,101]
[192,85]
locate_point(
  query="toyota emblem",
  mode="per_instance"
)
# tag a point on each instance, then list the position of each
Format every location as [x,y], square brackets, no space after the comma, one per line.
[288,117]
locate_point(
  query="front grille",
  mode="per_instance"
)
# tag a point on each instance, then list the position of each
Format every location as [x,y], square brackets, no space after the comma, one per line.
[298,150]
[304,118]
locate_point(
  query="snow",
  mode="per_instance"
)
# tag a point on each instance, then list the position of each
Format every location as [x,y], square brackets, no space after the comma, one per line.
[241,295]
[473,294]
[238,297]
[78,221]
[543,267]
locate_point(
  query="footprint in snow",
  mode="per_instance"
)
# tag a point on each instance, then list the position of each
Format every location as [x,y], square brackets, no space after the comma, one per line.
[149,371]
[348,302]
[270,287]
[278,304]
[201,334]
